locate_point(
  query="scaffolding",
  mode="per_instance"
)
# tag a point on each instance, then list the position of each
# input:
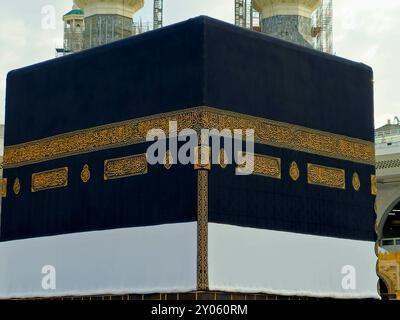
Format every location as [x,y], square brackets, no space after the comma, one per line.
[141,27]
[249,14]
[323,22]
[158,14]
[245,15]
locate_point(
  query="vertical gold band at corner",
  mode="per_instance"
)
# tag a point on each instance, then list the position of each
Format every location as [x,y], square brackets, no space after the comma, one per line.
[51,179]
[326,176]
[202,156]
[168,160]
[202,230]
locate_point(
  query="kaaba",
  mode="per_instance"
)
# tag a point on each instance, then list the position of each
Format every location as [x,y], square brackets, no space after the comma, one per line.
[80,198]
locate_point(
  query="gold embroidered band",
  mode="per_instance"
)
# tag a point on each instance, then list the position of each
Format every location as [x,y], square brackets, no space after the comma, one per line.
[125,167]
[130,132]
[264,166]
[326,176]
[56,178]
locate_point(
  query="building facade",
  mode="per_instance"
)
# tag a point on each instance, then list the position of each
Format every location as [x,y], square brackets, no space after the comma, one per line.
[92,23]
[305,22]
[288,20]
[388,205]
[74,27]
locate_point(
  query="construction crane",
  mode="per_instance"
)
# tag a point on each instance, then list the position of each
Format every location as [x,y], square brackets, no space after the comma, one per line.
[158,14]
[240,16]
[324,27]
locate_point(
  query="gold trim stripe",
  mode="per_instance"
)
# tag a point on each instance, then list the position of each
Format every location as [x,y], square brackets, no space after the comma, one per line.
[94,139]
[326,176]
[56,178]
[130,132]
[125,167]
[292,137]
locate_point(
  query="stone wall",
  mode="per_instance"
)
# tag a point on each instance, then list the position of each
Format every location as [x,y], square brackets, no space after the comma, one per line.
[292,28]
[73,41]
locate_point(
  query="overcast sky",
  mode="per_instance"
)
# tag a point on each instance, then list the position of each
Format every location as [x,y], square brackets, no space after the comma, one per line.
[364,30]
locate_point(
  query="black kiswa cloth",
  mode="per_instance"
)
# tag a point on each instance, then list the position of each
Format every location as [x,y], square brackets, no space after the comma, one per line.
[199,62]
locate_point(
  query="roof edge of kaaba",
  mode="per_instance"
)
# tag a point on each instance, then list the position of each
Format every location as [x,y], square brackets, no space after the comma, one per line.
[201,61]
[146,36]
[253,73]
[203,19]
[134,131]
[262,36]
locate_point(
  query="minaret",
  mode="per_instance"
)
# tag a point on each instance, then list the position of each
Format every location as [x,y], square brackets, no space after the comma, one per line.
[74,26]
[107,20]
[289,20]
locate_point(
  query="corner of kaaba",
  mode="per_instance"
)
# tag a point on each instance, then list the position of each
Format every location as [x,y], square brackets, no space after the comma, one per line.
[82,200]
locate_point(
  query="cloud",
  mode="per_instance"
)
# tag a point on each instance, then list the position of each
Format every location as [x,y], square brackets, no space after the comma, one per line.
[178,10]
[14,43]
[23,41]
[370,53]
[366,31]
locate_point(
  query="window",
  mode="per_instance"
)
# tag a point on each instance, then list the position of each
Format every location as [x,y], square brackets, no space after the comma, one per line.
[387,242]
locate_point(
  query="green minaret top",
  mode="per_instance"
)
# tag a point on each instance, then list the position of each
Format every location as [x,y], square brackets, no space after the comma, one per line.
[74,12]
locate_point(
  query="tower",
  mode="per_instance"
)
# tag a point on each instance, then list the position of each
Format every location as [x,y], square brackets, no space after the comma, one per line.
[74,25]
[107,20]
[158,14]
[289,19]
